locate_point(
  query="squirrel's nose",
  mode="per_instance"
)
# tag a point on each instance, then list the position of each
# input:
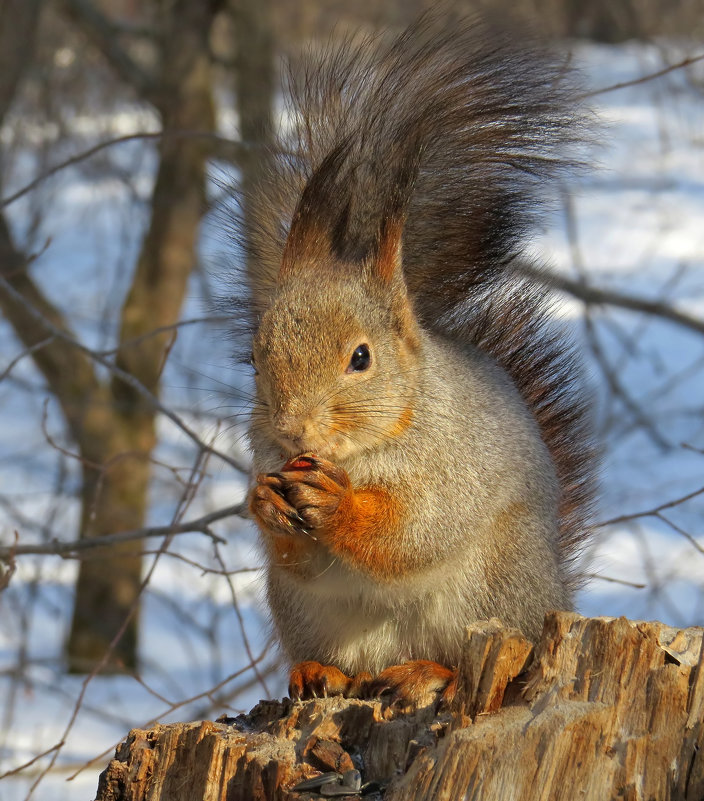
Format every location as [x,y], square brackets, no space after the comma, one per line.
[281,421]
[287,423]
[299,429]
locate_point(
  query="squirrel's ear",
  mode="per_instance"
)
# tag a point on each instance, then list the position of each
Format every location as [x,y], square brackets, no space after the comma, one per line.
[387,262]
[387,268]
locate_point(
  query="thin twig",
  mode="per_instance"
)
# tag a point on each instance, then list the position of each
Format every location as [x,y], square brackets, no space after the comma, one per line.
[129,343]
[177,705]
[123,375]
[29,764]
[651,512]
[26,352]
[68,549]
[118,140]
[204,568]
[608,297]
[613,580]
[240,621]
[134,606]
[680,531]
[650,77]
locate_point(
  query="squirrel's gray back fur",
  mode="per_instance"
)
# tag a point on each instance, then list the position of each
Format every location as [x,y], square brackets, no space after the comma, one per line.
[454,128]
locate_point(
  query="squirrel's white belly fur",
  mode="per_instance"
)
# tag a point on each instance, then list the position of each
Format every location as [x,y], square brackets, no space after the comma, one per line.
[374,627]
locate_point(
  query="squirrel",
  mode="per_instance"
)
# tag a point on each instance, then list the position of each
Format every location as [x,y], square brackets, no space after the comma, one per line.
[421,448]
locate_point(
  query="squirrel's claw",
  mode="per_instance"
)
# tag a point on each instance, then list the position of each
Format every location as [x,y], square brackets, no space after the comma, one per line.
[315,490]
[324,476]
[415,683]
[271,508]
[313,680]
[311,468]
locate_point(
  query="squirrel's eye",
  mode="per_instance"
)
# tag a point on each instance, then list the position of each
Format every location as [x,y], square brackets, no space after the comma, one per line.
[361,359]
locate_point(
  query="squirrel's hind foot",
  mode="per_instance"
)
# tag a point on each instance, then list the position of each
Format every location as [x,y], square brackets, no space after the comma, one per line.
[416,683]
[313,680]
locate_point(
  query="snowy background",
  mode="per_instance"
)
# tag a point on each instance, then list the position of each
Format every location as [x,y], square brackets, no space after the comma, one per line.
[635,224]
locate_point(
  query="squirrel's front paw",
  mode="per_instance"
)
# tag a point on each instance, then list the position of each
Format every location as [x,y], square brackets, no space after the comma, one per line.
[314,488]
[271,510]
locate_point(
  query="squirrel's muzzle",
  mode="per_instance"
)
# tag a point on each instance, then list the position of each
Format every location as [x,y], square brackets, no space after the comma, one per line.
[295,430]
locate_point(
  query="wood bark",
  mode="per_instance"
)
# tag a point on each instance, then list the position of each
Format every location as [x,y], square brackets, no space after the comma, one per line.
[600,709]
[255,86]
[117,436]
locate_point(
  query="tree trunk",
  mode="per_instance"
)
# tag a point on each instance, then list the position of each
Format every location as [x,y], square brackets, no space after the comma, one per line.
[115,483]
[602,709]
[117,444]
[254,89]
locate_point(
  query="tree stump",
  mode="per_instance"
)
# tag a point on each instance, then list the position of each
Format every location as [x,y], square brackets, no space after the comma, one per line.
[600,709]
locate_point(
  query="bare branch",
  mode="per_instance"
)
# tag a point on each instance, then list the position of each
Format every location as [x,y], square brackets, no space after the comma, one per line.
[240,623]
[26,352]
[657,513]
[680,531]
[236,147]
[619,390]
[651,77]
[128,343]
[134,606]
[124,376]
[69,375]
[651,512]
[71,549]
[177,705]
[205,570]
[591,295]
[29,764]
[612,580]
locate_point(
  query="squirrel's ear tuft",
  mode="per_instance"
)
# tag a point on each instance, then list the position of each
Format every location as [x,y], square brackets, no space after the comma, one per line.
[387,261]
[306,244]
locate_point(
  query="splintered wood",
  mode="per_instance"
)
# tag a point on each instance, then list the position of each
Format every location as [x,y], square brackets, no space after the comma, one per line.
[603,709]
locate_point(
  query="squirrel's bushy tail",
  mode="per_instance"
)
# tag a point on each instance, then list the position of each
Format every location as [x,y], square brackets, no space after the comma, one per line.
[453,126]
[451,129]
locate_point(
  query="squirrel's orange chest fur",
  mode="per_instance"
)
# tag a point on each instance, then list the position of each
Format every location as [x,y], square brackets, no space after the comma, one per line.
[309,517]
[363,530]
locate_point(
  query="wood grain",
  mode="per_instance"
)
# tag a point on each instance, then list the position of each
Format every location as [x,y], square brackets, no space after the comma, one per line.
[601,709]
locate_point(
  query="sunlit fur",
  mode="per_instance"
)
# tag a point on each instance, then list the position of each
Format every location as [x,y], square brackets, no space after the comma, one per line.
[307,400]
[393,219]
[481,526]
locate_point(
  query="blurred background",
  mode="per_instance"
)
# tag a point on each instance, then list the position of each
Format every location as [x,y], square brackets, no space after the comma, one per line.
[128,130]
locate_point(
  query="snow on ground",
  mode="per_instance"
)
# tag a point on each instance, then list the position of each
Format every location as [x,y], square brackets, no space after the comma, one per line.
[638,229]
